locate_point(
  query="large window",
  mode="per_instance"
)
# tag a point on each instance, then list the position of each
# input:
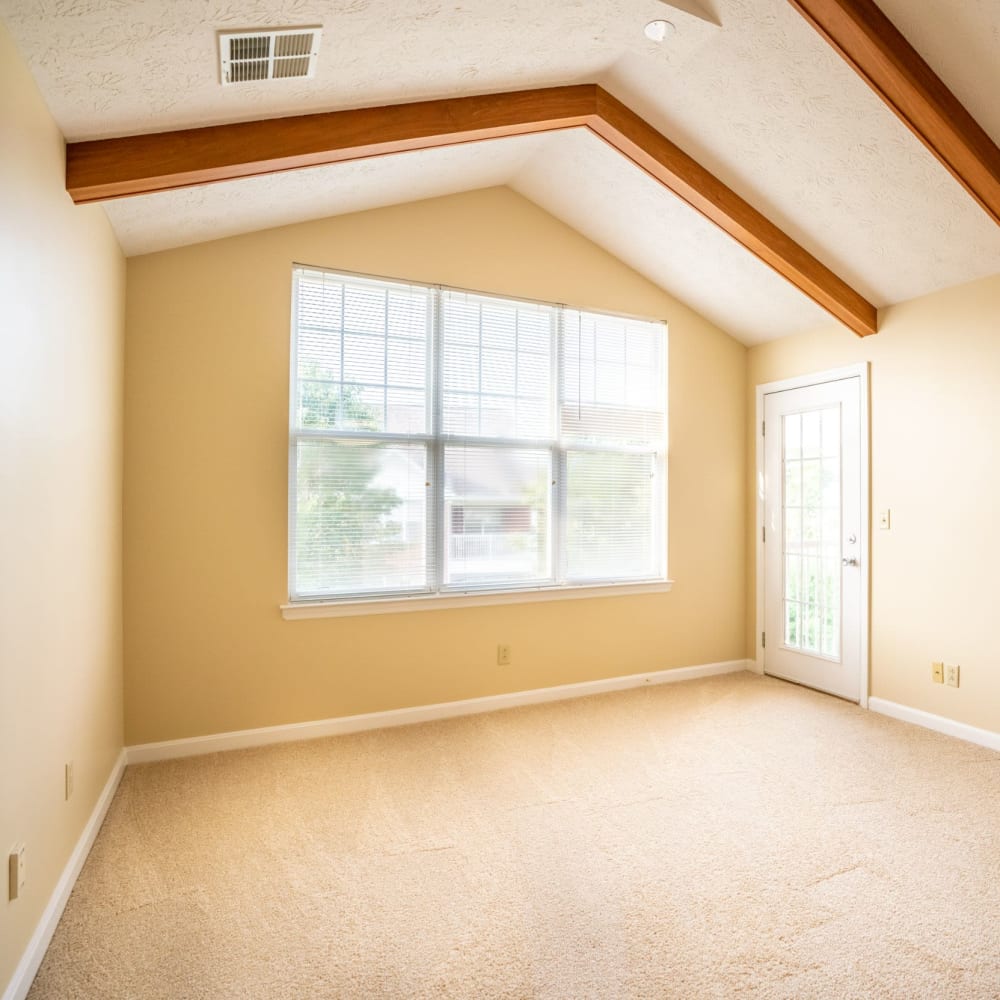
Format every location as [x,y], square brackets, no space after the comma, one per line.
[449,442]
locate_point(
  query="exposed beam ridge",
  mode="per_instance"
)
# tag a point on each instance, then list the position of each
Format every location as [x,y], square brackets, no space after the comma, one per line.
[143,164]
[673,168]
[879,53]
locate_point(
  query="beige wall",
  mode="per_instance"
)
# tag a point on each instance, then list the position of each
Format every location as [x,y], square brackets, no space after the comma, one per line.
[206,480]
[935,376]
[62,290]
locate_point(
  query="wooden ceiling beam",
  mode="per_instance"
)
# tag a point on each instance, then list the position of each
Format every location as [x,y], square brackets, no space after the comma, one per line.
[636,139]
[143,164]
[877,51]
[113,168]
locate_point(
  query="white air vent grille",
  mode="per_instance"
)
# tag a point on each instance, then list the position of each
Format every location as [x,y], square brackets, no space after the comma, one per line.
[277,54]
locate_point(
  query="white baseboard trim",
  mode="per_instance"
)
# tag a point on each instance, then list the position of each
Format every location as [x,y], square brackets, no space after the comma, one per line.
[983,737]
[170,749]
[25,972]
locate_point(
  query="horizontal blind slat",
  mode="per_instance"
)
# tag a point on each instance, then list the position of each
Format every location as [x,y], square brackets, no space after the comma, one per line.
[613,400]
[361,353]
[509,421]
[497,516]
[361,517]
[613,380]
[496,367]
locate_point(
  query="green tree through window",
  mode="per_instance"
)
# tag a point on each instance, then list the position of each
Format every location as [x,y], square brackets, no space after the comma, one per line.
[446,441]
[342,518]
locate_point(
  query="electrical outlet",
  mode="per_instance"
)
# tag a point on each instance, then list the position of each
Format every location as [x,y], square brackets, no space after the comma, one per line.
[937,673]
[15,871]
[503,656]
[951,674]
[69,780]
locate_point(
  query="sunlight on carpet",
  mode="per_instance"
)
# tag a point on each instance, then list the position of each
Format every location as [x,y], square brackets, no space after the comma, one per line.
[733,836]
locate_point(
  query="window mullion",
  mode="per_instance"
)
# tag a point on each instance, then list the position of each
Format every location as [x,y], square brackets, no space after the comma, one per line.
[435,519]
[479,376]
[293,442]
[557,498]
[385,361]
[343,349]
[659,466]
[611,427]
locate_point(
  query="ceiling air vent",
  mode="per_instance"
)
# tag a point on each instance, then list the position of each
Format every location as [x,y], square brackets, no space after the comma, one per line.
[276,54]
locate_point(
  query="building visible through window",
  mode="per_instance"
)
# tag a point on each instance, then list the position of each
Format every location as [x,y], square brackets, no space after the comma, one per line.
[449,442]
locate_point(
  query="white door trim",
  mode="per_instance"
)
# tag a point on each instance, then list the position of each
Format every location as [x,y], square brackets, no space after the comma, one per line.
[861,371]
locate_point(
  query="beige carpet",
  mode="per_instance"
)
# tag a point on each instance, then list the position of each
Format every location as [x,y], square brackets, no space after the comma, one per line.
[729,837]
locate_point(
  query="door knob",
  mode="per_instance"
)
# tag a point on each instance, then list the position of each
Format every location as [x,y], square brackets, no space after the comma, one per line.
[849,562]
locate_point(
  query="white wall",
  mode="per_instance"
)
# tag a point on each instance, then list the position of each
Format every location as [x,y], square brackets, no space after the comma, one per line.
[935,382]
[62,291]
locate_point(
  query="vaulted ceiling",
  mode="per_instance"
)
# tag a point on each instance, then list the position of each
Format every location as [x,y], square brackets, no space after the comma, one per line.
[761,100]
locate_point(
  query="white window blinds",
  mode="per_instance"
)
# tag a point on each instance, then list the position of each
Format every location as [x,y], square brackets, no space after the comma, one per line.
[445,441]
[496,366]
[613,430]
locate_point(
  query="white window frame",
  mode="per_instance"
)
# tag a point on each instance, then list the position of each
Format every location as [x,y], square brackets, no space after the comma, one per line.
[438,595]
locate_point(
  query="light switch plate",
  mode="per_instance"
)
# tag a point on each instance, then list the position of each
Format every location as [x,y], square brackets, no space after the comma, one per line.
[884,519]
[15,871]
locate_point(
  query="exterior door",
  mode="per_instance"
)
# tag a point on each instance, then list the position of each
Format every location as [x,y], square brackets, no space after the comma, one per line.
[814,580]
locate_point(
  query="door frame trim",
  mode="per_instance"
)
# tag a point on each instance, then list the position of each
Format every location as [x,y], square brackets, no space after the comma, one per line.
[863,372]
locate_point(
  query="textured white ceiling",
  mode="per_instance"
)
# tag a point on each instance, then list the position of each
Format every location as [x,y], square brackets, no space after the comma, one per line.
[192,215]
[960,39]
[761,101]
[772,110]
[569,174]
[110,67]
[662,238]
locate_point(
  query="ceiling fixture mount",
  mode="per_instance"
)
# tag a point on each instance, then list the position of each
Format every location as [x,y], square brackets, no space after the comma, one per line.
[701,9]
[657,31]
[271,54]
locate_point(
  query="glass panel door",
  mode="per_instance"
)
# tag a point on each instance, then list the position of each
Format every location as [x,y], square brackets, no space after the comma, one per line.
[814,537]
[812,518]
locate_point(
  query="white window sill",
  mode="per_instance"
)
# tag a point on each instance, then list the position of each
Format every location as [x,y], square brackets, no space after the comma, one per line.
[437,602]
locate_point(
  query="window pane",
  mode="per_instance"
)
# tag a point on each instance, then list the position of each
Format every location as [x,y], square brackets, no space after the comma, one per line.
[811,510]
[613,380]
[363,519]
[611,504]
[496,516]
[496,363]
[792,610]
[361,348]
[361,515]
